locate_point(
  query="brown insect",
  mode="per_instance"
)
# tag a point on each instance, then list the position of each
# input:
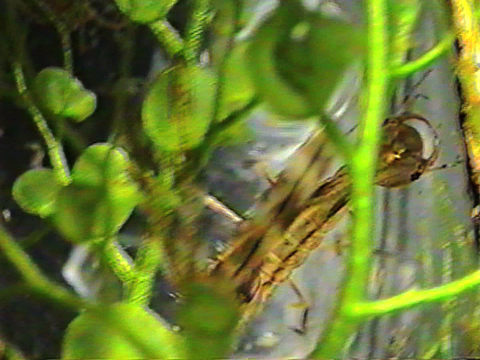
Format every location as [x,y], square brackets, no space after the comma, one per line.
[299,209]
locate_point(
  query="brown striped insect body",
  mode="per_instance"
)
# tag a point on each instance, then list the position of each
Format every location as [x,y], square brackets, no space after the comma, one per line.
[297,212]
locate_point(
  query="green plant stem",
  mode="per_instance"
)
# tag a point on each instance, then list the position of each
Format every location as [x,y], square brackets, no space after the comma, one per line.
[36,236]
[404,15]
[147,263]
[120,266]
[426,59]
[202,153]
[34,278]
[195,27]
[337,137]
[231,120]
[55,150]
[232,30]
[363,168]
[64,35]
[167,36]
[409,299]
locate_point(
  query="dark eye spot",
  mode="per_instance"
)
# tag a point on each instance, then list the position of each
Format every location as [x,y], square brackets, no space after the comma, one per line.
[415,176]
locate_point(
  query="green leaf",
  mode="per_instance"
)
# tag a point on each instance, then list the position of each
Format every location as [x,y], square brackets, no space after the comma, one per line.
[238,89]
[61,94]
[120,331]
[178,108]
[403,19]
[100,198]
[297,58]
[235,134]
[88,213]
[100,164]
[36,191]
[165,198]
[280,95]
[208,318]
[76,216]
[145,11]
[334,45]
[79,105]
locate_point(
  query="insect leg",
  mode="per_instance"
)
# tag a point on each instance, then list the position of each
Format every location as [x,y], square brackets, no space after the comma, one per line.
[217,206]
[302,304]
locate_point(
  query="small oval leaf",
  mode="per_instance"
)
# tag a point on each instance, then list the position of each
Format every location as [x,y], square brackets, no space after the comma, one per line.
[208,317]
[238,88]
[36,191]
[297,58]
[61,94]
[99,163]
[88,213]
[100,198]
[120,331]
[75,217]
[329,60]
[178,108]
[80,105]
[280,96]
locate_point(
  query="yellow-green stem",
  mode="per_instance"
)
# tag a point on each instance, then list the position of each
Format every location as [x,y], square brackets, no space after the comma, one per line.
[426,59]
[33,276]
[195,28]
[363,168]
[409,299]
[147,263]
[55,150]
[167,36]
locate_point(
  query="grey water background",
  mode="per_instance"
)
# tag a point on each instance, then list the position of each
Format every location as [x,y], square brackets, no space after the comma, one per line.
[413,228]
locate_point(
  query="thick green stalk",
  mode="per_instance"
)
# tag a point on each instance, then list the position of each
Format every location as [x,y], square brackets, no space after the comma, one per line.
[423,62]
[147,263]
[411,298]
[231,10]
[120,266]
[33,276]
[63,32]
[55,150]
[363,168]
[167,36]
[195,29]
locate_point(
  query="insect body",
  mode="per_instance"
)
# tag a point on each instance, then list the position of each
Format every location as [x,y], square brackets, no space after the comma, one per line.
[300,209]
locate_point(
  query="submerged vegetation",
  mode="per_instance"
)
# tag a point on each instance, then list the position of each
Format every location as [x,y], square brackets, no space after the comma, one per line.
[123,143]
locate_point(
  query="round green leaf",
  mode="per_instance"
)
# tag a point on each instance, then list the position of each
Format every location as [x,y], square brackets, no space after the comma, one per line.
[208,318]
[120,331]
[297,58]
[36,191]
[179,108]
[274,89]
[63,95]
[145,11]
[329,60]
[85,213]
[208,311]
[237,88]
[80,105]
[76,215]
[99,165]
[100,198]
